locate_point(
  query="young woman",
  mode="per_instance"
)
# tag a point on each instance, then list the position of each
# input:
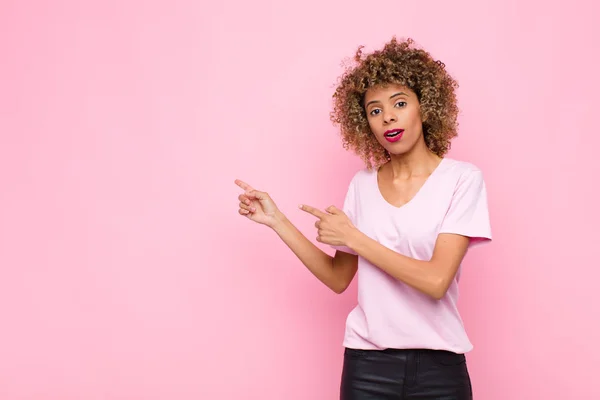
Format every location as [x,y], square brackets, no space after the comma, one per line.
[408,219]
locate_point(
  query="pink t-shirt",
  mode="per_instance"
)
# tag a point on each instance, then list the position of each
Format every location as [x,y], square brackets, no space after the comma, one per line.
[389,313]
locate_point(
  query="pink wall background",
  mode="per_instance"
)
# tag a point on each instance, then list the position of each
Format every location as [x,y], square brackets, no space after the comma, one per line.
[126,272]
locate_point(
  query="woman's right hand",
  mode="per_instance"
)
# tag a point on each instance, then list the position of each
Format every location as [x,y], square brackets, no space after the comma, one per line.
[257,206]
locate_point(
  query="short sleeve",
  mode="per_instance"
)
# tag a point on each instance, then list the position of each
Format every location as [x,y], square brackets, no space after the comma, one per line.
[350,209]
[468,213]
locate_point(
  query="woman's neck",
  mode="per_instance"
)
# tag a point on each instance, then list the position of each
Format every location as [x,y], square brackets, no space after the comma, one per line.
[413,164]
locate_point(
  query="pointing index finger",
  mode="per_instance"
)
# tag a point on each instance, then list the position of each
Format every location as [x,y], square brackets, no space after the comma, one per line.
[311,210]
[244,185]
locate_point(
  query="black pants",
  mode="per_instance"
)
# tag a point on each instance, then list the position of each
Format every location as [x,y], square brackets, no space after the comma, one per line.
[404,375]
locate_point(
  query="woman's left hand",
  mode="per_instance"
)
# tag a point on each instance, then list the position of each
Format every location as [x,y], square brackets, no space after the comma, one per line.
[334,226]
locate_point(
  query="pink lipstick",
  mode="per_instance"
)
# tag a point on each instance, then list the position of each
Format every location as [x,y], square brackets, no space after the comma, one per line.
[393,135]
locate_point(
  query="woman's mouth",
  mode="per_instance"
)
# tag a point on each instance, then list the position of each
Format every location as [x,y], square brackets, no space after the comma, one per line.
[393,135]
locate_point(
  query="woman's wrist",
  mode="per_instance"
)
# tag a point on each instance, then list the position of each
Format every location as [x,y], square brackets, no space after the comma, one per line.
[279,221]
[354,239]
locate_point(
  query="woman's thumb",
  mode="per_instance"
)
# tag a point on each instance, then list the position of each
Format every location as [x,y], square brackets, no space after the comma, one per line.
[257,195]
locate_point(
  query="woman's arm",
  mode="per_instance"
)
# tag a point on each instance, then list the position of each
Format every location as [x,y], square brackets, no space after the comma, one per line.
[335,272]
[431,277]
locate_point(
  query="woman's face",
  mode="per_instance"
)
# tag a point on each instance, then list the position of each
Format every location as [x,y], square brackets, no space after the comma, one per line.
[394,116]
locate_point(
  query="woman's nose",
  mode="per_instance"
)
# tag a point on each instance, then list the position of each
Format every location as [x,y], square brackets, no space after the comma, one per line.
[389,117]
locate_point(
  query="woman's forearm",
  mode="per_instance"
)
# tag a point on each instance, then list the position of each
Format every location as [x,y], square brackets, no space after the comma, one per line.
[319,263]
[421,275]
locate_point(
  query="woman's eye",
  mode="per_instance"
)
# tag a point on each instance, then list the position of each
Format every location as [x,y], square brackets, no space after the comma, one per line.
[401,104]
[375,111]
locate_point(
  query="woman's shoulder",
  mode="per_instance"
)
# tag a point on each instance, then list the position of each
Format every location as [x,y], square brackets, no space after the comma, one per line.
[362,175]
[461,167]
[463,176]
[365,173]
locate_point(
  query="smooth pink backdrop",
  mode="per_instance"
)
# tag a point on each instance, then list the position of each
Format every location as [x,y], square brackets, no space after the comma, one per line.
[126,272]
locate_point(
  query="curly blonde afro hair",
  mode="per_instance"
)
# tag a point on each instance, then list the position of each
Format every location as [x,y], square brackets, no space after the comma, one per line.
[399,62]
